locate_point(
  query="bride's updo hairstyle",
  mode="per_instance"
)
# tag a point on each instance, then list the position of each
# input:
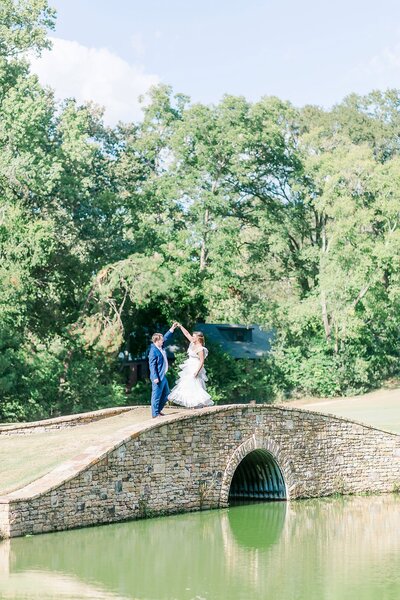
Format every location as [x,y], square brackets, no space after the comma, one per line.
[200,335]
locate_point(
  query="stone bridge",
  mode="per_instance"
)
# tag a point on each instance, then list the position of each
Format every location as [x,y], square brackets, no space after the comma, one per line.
[206,458]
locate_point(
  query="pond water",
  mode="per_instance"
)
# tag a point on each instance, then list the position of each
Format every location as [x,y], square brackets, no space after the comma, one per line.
[327,549]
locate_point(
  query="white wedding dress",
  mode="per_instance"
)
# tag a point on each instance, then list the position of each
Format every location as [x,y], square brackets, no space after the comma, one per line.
[190,391]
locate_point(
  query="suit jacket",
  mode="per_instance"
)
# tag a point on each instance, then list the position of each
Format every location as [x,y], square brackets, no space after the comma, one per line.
[156,359]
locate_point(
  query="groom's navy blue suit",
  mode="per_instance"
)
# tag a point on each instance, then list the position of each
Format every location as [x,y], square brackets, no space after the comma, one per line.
[160,390]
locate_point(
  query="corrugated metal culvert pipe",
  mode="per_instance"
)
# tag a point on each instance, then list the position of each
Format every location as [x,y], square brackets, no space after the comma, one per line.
[258,477]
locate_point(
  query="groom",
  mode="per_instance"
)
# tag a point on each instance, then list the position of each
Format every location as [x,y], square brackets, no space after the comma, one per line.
[158,364]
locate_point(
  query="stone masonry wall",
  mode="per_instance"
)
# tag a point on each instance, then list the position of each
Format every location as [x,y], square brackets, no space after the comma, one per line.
[186,462]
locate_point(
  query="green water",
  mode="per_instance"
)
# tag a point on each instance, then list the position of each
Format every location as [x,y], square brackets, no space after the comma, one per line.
[326,549]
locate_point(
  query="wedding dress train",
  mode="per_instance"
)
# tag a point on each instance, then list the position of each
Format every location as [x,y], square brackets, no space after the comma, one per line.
[190,391]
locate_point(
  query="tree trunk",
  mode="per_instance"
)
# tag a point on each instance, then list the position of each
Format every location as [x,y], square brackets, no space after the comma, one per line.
[204,250]
[324,307]
[325,318]
[336,346]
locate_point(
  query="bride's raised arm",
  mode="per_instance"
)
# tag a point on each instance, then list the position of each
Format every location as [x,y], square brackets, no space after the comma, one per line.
[186,333]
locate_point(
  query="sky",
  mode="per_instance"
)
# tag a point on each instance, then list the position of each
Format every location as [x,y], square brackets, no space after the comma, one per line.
[304,51]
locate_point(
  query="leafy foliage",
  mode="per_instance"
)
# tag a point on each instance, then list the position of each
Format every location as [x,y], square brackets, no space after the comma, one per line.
[239,212]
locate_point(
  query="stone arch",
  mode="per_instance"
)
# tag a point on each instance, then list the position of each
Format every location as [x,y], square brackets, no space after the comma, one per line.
[269,453]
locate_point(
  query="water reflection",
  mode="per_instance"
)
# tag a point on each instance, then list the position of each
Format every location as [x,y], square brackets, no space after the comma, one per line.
[332,549]
[257,526]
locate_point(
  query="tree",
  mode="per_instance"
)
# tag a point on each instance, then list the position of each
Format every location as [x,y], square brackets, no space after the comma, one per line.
[234,212]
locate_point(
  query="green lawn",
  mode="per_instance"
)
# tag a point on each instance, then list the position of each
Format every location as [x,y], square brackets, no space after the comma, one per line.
[24,458]
[380,408]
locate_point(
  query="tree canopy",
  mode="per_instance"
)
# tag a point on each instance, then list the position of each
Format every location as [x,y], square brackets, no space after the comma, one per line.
[250,212]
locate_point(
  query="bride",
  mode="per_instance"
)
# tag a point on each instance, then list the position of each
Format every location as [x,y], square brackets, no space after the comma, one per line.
[190,390]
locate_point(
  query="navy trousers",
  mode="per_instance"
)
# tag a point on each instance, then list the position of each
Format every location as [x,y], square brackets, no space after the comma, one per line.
[159,396]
